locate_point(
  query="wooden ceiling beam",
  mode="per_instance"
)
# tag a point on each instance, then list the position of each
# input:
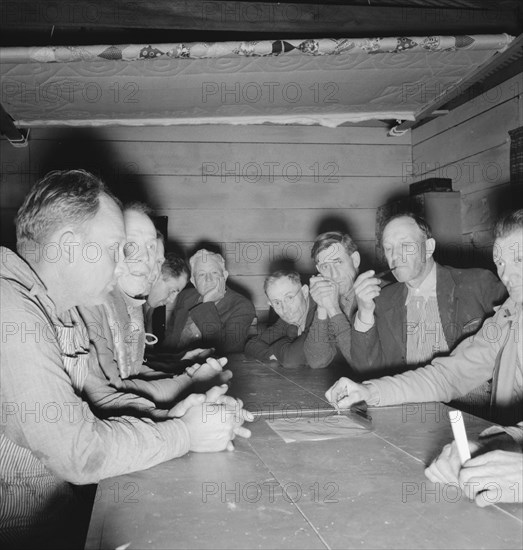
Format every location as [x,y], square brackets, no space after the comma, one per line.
[308,19]
[509,59]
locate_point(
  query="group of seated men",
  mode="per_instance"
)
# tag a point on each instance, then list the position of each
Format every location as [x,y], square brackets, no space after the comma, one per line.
[78,302]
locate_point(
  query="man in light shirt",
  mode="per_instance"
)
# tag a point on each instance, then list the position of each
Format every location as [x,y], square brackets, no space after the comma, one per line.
[70,239]
[494,352]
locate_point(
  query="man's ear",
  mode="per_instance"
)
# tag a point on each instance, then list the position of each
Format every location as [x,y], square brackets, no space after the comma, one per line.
[225,274]
[356,259]
[305,290]
[430,247]
[69,244]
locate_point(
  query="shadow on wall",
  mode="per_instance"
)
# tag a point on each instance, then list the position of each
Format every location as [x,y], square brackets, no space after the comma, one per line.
[84,148]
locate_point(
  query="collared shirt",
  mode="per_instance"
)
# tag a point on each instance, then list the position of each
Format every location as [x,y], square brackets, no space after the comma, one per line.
[52,438]
[425,336]
[303,319]
[125,315]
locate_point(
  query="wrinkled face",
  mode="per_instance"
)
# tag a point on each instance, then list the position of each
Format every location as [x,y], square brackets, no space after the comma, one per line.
[140,253]
[166,290]
[507,255]
[160,259]
[288,299]
[99,262]
[337,264]
[407,249]
[207,274]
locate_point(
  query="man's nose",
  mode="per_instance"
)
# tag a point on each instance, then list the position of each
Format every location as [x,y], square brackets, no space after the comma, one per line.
[120,268]
[331,271]
[397,255]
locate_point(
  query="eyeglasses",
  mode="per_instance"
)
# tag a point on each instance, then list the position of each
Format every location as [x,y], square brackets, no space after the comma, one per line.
[287,300]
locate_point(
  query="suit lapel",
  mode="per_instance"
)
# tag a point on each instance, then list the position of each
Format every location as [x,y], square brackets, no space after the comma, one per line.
[396,316]
[447,304]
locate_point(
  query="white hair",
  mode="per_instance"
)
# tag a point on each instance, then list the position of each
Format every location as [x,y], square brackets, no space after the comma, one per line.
[204,255]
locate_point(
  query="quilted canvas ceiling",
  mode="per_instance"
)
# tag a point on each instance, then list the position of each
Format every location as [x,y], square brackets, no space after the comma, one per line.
[315,81]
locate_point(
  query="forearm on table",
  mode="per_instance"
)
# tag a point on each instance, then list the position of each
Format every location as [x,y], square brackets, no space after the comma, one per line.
[319,349]
[162,392]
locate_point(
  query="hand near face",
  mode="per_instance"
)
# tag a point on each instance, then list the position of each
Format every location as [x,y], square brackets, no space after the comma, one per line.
[367,289]
[213,420]
[345,393]
[216,293]
[326,294]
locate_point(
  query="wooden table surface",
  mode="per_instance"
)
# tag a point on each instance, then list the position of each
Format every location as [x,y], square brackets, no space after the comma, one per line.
[362,491]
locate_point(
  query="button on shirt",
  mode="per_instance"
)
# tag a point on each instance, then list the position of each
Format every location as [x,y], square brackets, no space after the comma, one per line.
[425,336]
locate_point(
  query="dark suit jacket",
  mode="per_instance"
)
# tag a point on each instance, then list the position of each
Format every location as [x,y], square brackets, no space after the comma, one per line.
[282,341]
[224,326]
[465,298]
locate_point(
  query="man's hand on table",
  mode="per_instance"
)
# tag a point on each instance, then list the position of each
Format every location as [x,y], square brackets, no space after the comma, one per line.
[488,478]
[198,353]
[345,393]
[211,370]
[213,419]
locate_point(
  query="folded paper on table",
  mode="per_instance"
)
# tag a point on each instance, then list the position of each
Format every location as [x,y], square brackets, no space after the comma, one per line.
[315,428]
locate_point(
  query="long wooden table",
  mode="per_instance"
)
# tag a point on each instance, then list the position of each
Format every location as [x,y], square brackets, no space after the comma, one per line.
[366,491]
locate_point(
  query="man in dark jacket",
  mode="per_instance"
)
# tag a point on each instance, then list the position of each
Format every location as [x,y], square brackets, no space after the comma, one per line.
[284,341]
[210,315]
[426,313]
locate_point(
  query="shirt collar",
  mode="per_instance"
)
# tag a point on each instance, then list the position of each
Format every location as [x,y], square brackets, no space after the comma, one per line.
[132,302]
[303,319]
[426,289]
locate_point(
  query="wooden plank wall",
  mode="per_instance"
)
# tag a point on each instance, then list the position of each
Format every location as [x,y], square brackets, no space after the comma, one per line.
[471,146]
[262,192]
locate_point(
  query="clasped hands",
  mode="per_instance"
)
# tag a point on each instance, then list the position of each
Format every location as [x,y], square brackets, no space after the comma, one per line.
[213,418]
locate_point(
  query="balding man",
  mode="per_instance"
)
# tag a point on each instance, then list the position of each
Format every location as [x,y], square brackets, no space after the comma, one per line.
[427,312]
[284,341]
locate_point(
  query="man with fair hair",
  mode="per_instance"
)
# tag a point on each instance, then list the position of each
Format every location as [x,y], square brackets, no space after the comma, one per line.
[337,260]
[494,352]
[210,315]
[284,341]
[70,239]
